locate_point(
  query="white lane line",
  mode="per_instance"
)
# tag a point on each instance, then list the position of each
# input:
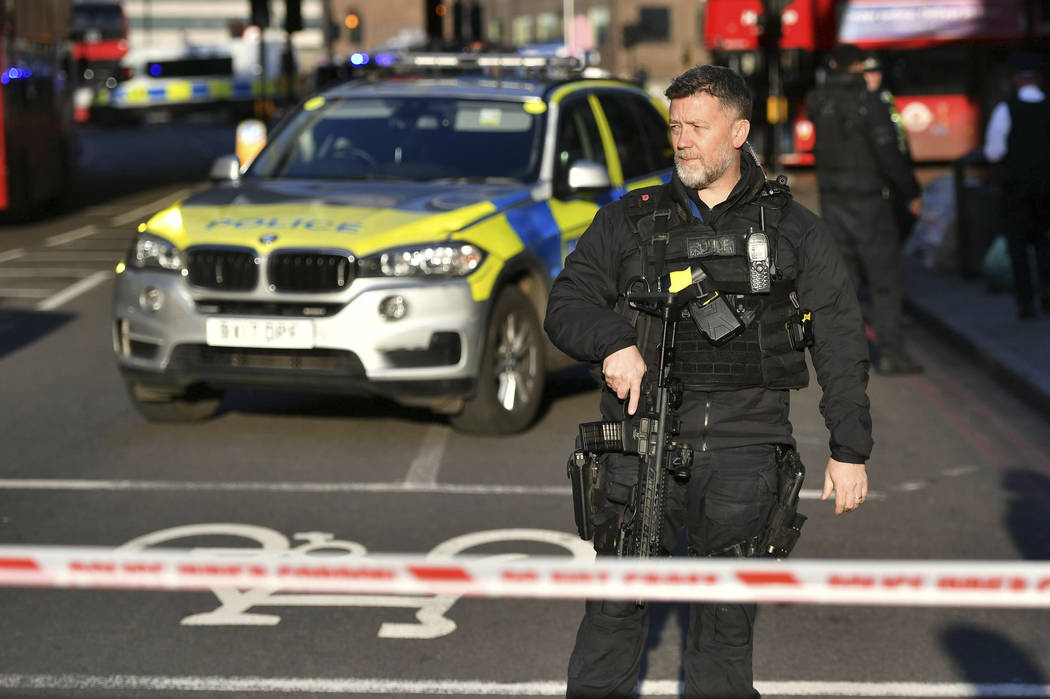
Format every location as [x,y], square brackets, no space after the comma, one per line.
[12,254]
[73,256]
[147,209]
[425,466]
[280,487]
[76,234]
[318,487]
[34,272]
[649,688]
[72,291]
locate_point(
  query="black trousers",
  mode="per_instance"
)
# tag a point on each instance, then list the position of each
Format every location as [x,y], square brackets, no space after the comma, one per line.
[1027,211]
[726,500]
[865,228]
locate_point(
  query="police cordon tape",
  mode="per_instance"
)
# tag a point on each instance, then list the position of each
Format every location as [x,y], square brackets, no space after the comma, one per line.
[876,582]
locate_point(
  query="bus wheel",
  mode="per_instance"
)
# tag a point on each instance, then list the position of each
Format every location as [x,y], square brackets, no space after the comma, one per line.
[162,405]
[511,379]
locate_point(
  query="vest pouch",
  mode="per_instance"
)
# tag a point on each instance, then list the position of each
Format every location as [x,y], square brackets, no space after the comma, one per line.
[715,318]
[799,329]
[783,364]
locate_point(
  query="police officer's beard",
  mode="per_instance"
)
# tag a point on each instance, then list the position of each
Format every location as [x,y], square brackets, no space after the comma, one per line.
[700,173]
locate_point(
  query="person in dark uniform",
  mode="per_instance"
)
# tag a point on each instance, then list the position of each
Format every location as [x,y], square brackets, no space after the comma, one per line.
[873,78]
[734,408]
[860,169]
[1017,136]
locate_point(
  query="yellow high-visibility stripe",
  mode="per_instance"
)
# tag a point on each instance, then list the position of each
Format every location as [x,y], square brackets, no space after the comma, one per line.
[612,156]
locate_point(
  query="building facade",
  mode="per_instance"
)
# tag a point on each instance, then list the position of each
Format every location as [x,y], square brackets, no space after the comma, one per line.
[656,41]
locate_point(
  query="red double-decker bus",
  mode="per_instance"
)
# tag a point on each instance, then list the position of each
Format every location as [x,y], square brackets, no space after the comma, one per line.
[37,141]
[100,43]
[942,59]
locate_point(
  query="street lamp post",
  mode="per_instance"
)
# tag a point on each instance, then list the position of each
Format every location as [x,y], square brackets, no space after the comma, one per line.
[568,21]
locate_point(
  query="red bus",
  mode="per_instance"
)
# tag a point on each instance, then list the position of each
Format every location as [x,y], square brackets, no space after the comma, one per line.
[942,59]
[37,141]
[100,43]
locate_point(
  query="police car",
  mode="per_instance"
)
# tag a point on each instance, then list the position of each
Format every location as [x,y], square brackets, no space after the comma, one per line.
[394,237]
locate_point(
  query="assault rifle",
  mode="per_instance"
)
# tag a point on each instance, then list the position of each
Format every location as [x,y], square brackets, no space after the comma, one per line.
[649,435]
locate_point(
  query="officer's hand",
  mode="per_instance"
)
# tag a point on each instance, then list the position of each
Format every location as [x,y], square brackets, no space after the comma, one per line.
[915,206]
[623,371]
[850,483]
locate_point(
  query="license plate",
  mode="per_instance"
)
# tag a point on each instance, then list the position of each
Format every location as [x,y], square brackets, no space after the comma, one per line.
[252,332]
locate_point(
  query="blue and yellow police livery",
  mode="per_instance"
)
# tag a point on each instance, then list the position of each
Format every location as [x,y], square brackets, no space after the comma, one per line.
[393,238]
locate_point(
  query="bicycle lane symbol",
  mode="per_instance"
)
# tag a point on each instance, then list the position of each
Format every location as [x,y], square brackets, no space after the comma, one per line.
[431,610]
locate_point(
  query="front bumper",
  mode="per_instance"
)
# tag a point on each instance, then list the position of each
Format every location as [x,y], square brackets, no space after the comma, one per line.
[431,354]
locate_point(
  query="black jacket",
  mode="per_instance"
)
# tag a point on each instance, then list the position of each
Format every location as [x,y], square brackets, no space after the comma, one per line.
[582,322]
[857,149]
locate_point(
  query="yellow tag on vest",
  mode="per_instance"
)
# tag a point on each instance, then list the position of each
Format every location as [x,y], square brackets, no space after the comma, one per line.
[680,280]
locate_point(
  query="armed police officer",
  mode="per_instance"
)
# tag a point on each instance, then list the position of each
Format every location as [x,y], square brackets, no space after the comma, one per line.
[733,407]
[861,169]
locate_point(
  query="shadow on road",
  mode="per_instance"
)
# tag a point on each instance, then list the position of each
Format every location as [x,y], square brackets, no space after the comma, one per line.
[21,328]
[1028,513]
[340,407]
[987,657]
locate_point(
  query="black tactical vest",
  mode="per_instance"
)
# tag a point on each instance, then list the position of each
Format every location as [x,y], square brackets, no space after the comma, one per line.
[838,113]
[1027,157]
[761,356]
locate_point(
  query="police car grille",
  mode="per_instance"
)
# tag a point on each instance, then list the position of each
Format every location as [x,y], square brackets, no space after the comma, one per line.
[310,272]
[226,270]
[247,359]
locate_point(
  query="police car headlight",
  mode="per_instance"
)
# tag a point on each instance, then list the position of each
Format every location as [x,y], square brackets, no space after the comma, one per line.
[152,252]
[440,260]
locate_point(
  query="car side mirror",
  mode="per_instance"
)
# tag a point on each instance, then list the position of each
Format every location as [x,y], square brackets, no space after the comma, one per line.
[226,168]
[587,175]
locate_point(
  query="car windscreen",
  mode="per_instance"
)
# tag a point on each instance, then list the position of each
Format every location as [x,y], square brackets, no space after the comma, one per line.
[98,21]
[406,138]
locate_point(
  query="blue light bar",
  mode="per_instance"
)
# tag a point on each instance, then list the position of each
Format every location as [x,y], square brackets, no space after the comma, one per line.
[359,58]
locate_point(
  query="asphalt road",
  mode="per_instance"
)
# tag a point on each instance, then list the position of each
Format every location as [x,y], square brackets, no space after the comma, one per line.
[960,471]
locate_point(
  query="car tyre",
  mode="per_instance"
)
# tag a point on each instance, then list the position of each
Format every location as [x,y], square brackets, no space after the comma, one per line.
[158,405]
[511,378]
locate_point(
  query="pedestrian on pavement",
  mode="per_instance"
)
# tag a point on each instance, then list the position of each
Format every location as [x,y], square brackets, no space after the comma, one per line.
[1018,137]
[735,402]
[860,169]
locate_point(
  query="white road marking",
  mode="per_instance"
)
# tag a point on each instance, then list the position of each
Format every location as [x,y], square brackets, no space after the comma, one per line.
[71,292]
[76,234]
[364,685]
[33,272]
[73,256]
[281,487]
[318,487]
[147,209]
[424,468]
[13,254]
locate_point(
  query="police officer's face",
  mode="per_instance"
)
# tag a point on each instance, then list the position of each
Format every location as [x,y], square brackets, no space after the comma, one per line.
[705,138]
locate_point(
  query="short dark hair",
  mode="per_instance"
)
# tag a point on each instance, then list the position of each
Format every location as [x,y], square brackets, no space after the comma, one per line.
[721,83]
[1026,63]
[846,55]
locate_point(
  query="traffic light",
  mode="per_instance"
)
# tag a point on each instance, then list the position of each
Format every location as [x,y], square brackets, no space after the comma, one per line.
[435,19]
[475,22]
[353,23]
[260,13]
[293,15]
